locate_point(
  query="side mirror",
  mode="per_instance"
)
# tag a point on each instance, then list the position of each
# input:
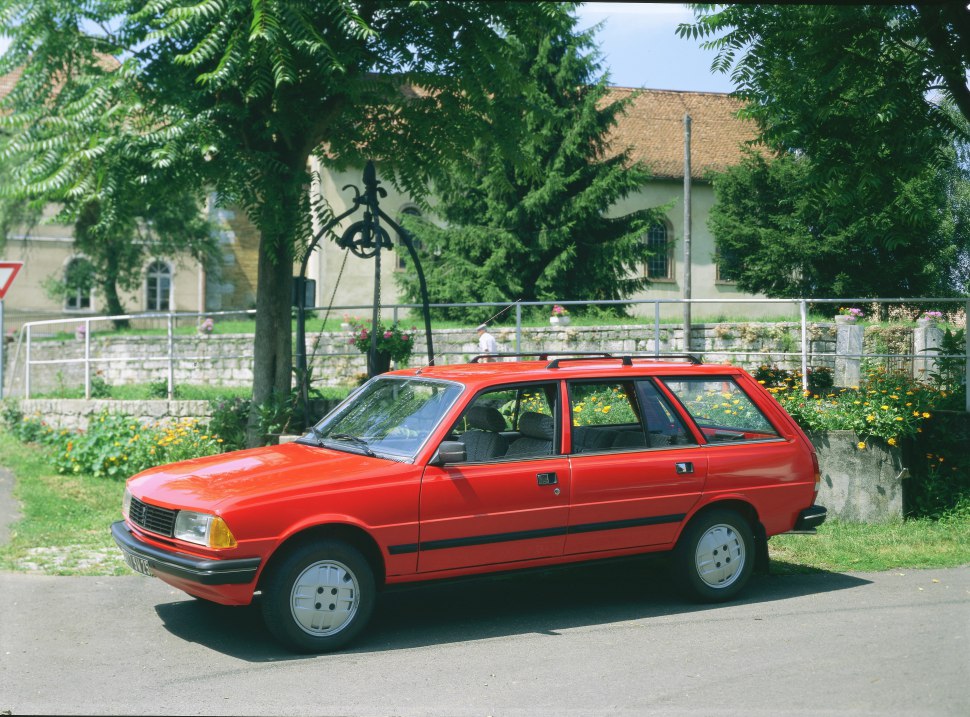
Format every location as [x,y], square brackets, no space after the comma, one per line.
[449,452]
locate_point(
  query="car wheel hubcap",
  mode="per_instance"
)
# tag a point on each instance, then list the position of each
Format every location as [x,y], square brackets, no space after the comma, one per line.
[325,598]
[719,557]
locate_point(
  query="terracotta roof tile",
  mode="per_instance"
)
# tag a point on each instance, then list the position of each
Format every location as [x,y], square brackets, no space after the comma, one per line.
[653,127]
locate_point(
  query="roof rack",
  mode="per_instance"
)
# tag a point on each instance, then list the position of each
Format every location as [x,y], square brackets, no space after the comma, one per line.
[627,360]
[543,355]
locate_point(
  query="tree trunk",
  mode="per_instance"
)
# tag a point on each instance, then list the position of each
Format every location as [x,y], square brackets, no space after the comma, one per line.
[273,342]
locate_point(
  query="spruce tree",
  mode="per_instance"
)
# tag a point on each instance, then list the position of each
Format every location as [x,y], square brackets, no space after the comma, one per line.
[537,227]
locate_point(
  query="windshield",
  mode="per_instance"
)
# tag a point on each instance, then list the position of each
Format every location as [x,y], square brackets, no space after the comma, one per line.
[390,417]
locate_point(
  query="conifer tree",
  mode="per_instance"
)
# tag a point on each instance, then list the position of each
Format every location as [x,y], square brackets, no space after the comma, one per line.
[541,228]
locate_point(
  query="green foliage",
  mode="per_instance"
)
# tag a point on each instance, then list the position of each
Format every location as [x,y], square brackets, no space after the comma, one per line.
[537,228]
[864,174]
[820,379]
[887,405]
[228,421]
[114,445]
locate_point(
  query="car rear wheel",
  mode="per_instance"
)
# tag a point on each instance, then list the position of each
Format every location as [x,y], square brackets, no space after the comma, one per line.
[319,597]
[715,556]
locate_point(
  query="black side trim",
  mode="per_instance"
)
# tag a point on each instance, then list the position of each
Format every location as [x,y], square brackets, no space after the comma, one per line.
[237,571]
[532,534]
[629,523]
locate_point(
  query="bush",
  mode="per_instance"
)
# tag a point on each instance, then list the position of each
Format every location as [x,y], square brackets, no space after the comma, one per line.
[228,421]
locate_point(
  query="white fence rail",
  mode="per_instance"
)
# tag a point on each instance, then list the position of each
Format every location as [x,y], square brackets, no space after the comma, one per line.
[169,352]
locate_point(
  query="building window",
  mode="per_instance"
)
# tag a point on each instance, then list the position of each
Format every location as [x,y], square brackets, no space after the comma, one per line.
[660,264]
[402,249]
[728,265]
[78,280]
[158,287]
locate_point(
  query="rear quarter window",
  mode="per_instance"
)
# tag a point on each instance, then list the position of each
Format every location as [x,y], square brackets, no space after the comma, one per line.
[721,409]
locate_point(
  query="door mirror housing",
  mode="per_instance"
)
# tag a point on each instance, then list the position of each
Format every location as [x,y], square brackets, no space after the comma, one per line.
[449,452]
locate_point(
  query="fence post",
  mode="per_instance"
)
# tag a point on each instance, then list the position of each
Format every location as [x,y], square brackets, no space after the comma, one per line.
[966,357]
[27,365]
[656,329]
[803,310]
[848,350]
[518,327]
[87,359]
[171,356]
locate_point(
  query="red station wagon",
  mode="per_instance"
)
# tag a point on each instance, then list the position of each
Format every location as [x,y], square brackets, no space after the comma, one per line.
[448,471]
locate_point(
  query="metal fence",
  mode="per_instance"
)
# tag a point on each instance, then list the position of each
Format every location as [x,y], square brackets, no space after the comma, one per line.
[653,315]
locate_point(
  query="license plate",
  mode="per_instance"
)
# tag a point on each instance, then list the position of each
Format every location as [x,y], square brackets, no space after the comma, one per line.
[139,565]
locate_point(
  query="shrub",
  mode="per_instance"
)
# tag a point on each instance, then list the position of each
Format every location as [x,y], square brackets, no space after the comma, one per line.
[228,421]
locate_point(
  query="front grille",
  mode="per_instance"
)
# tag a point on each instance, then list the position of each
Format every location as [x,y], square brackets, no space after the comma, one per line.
[152,518]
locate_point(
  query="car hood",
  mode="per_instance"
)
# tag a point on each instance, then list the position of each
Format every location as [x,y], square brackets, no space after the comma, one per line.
[213,482]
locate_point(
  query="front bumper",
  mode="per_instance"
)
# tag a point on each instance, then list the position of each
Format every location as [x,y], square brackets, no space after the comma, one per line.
[809,519]
[150,560]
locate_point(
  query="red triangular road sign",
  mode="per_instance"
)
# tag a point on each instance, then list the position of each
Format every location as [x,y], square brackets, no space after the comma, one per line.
[8,270]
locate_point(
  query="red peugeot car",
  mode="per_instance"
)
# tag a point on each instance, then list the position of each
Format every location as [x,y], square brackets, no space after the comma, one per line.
[448,471]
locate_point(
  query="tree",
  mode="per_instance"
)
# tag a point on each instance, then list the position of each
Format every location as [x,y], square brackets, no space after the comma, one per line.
[769,218]
[238,94]
[853,100]
[537,229]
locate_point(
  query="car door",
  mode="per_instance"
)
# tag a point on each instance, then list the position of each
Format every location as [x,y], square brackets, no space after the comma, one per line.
[503,508]
[636,471]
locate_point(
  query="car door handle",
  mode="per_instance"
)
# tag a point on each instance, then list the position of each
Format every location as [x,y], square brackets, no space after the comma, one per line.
[546,478]
[685,467]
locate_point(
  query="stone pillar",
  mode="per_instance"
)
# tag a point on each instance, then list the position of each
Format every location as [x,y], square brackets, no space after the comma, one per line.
[927,338]
[848,350]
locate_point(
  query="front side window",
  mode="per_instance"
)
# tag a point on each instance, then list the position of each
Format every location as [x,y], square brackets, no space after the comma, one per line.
[158,287]
[386,417]
[509,423]
[721,409]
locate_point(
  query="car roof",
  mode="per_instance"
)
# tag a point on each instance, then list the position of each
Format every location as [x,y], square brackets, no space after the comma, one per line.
[512,368]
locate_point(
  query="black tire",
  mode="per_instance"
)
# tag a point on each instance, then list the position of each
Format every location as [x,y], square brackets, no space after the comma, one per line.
[714,557]
[319,597]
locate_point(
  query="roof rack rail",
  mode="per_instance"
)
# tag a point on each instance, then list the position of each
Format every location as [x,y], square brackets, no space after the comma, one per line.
[627,359]
[542,355]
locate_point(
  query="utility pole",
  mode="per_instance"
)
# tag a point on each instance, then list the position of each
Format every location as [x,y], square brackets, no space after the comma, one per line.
[687,257]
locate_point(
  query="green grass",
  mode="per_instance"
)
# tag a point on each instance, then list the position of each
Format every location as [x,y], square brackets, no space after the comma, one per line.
[840,547]
[64,530]
[65,520]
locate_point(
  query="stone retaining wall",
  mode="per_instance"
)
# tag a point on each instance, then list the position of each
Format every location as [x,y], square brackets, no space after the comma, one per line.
[76,414]
[226,360]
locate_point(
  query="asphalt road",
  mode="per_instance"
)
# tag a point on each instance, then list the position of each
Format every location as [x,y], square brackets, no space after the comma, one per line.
[596,640]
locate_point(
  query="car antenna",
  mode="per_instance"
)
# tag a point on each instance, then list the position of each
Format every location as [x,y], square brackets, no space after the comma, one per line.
[486,322]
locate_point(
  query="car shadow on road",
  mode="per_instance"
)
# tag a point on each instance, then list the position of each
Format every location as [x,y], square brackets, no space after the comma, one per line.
[544,602]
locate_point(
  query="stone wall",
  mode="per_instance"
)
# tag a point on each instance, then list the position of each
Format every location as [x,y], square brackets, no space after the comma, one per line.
[76,414]
[226,360]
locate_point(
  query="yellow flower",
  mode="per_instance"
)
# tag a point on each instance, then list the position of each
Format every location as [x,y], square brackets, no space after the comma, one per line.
[926,415]
[891,441]
[861,446]
[606,409]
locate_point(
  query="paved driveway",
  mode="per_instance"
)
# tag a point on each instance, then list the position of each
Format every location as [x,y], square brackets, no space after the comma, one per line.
[596,640]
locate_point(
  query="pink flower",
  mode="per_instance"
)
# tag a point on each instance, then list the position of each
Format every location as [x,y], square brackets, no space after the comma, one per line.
[363,333]
[405,337]
[388,334]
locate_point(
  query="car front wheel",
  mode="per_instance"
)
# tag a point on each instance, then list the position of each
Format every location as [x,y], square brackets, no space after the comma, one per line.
[715,556]
[319,597]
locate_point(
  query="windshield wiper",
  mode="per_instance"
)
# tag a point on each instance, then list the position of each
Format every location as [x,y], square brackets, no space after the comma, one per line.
[315,433]
[356,440]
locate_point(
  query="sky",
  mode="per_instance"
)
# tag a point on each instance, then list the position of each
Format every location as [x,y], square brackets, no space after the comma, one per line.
[641,49]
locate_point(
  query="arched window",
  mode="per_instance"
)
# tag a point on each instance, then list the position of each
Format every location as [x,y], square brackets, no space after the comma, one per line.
[660,264]
[158,287]
[402,249]
[78,281]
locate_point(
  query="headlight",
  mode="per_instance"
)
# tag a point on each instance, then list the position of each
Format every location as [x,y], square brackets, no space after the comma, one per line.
[203,529]
[126,504]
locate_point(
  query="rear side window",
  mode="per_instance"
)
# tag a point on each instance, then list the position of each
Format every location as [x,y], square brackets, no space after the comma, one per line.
[621,416]
[721,409]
